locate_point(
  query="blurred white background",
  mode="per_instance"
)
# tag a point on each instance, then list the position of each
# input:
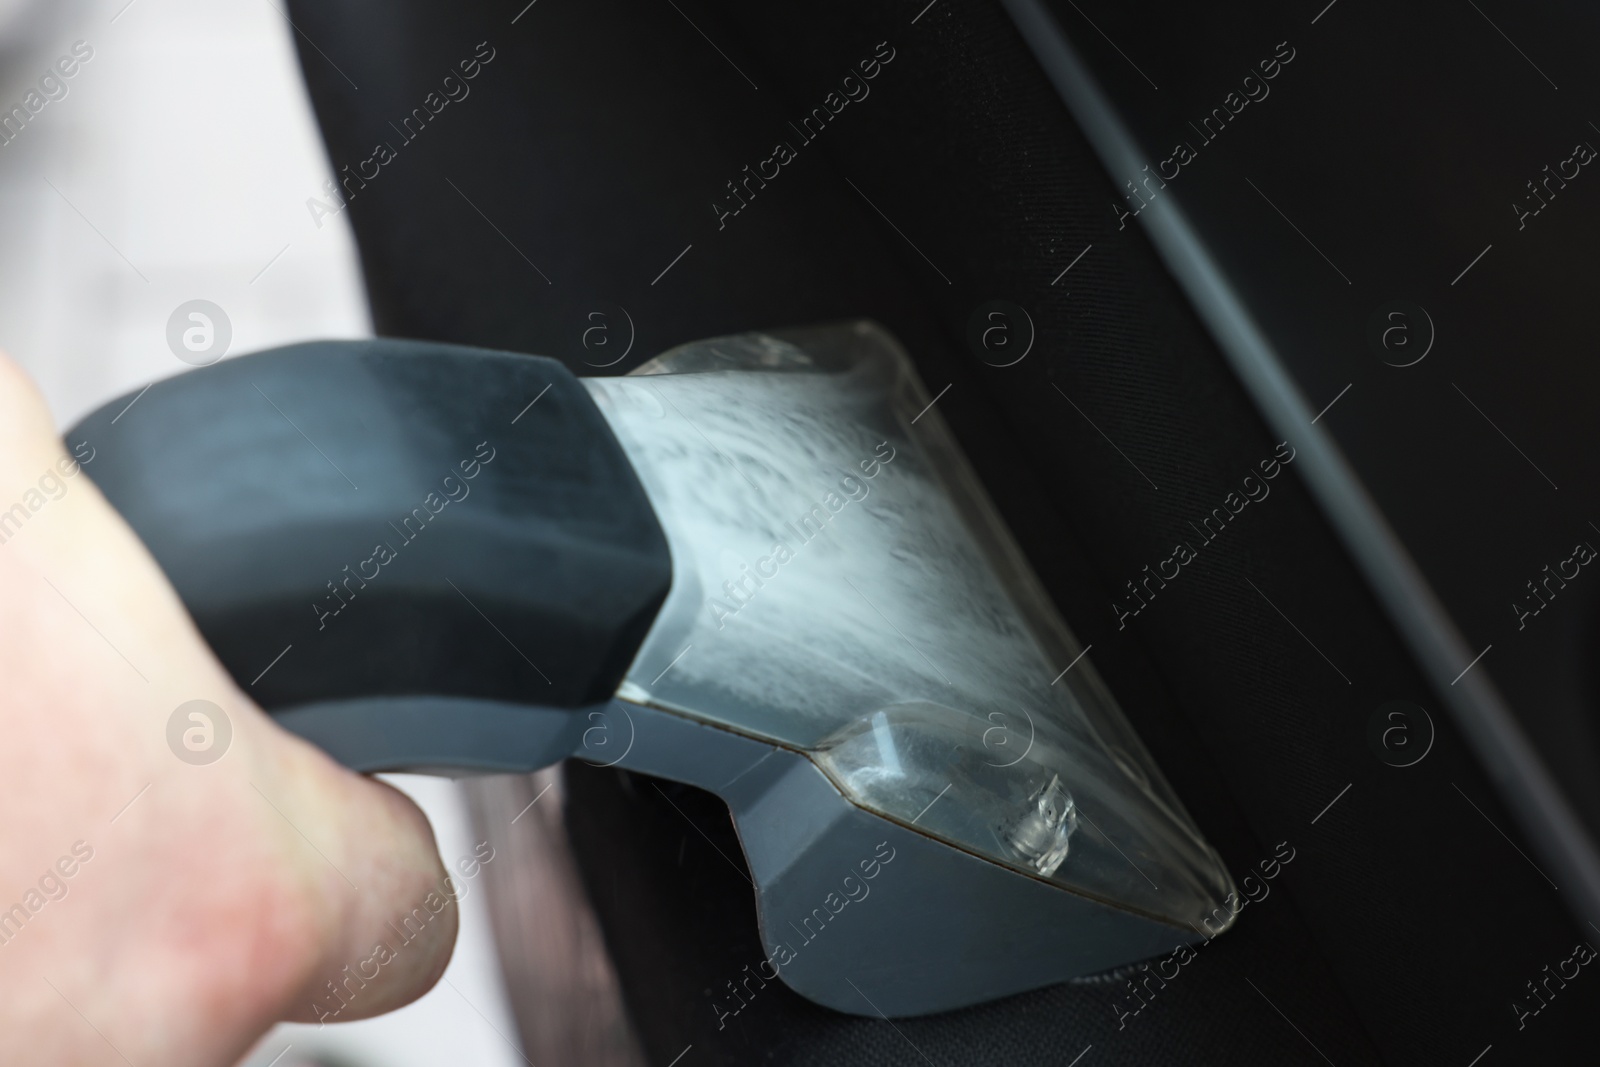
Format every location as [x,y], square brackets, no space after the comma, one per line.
[177,167]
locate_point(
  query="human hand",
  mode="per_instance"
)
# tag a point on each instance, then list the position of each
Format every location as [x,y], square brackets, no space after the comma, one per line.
[155,910]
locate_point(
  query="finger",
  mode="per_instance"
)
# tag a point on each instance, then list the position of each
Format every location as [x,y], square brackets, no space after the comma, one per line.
[396,905]
[375,916]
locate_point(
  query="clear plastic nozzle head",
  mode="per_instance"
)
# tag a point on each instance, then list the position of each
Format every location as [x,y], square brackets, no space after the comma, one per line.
[843,587]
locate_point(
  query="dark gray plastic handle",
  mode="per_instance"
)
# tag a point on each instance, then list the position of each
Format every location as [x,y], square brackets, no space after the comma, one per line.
[365,530]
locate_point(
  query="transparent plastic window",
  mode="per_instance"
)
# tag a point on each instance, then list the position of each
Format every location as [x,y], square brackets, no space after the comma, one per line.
[843,587]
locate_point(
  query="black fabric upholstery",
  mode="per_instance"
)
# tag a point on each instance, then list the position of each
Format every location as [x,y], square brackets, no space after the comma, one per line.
[598,141]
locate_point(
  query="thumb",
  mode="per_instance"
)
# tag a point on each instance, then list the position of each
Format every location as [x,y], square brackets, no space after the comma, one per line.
[304,891]
[394,901]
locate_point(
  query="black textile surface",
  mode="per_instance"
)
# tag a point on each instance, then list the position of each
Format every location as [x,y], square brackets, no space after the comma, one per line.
[594,148]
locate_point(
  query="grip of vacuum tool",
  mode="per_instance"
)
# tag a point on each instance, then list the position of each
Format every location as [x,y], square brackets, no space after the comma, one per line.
[378,536]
